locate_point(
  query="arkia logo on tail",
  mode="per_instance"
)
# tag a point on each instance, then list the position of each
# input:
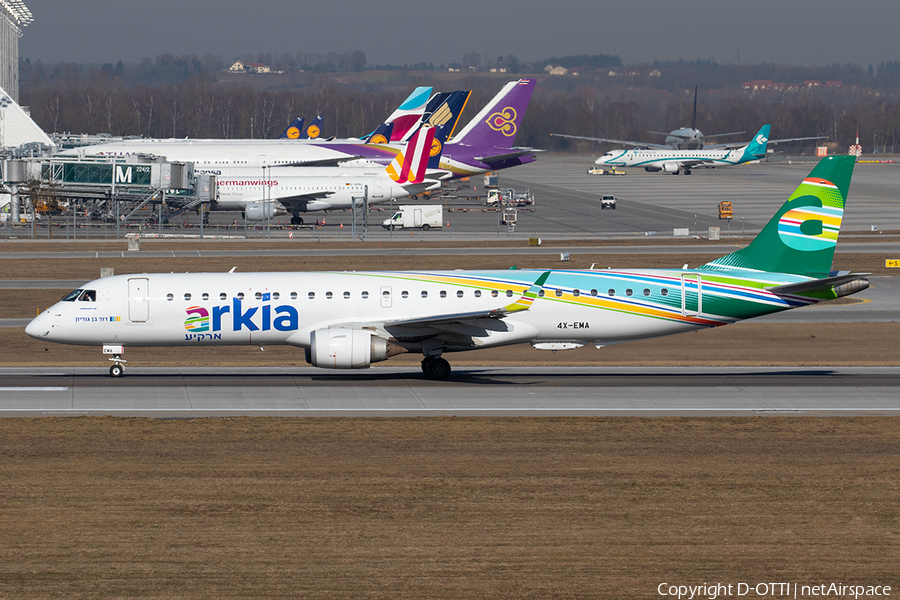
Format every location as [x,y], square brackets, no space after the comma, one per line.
[503,121]
[810,224]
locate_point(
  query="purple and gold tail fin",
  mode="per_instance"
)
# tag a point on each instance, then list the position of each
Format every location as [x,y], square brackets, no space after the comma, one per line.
[498,122]
[409,166]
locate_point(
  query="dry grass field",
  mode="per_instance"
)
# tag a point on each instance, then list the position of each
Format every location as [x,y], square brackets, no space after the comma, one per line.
[443,507]
[591,508]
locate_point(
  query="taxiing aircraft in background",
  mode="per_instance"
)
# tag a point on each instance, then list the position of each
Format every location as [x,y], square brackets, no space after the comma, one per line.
[350,320]
[676,161]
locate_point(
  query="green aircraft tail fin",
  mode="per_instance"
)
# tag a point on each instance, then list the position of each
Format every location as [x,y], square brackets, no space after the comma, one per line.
[801,237]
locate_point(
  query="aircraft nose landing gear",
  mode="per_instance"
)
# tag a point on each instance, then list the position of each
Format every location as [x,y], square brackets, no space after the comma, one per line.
[118,367]
[436,368]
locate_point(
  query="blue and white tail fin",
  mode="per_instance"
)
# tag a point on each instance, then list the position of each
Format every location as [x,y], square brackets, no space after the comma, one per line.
[757,146]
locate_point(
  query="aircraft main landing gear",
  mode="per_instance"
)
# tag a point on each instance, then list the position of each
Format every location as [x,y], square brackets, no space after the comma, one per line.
[435,367]
[296,221]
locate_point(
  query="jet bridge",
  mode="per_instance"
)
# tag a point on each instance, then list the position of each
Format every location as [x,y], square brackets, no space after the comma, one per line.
[101,184]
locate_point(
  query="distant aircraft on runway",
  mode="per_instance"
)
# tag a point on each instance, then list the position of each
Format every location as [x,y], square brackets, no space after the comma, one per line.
[352,319]
[676,161]
[684,138]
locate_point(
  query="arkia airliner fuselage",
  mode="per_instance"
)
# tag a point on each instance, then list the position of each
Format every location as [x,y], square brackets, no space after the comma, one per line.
[353,319]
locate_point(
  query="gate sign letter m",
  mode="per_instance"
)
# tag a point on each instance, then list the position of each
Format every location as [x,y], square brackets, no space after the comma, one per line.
[123,176]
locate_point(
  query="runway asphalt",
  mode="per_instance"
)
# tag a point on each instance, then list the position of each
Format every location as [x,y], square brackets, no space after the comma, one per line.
[404,392]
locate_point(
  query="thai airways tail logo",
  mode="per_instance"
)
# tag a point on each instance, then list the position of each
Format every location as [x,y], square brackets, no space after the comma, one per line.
[504,121]
[199,321]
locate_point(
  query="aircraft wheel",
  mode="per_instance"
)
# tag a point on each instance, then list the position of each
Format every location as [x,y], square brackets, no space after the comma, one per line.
[687,171]
[438,369]
[426,227]
[426,362]
[296,221]
[116,371]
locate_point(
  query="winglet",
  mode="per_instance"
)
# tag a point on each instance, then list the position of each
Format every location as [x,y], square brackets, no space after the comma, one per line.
[528,298]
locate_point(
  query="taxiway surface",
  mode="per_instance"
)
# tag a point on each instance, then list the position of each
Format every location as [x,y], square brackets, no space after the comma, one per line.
[396,392]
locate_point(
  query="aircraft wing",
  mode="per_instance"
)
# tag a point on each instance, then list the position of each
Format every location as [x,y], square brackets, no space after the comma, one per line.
[323,162]
[497,158]
[301,199]
[818,137]
[626,142]
[523,303]
[733,145]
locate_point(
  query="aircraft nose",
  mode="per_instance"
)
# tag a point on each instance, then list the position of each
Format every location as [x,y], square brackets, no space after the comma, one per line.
[39,327]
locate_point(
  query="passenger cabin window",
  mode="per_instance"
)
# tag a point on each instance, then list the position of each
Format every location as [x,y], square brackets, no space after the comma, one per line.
[629,292]
[509,293]
[459,293]
[646,292]
[259,295]
[293,295]
[443,293]
[576,293]
[594,293]
[664,292]
[329,295]
[404,294]
[494,293]
[478,293]
[72,296]
[170,297]
[223,296]
[240,295]
[205,296]
[346,295]
[187,296]
[540,293]
[612,292]
[312,295]
[275,295]
[424,293]
[559,293]
[365,295]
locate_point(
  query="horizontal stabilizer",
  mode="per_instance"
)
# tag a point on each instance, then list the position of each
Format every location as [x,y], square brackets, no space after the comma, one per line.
[497,158]
[815,285]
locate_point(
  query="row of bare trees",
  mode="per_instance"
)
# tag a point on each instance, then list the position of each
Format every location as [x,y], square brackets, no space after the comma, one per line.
[202,108]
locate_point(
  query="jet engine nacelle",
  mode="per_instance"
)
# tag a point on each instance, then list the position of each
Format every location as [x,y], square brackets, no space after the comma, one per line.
[670,167]
[259,211]
[345,348]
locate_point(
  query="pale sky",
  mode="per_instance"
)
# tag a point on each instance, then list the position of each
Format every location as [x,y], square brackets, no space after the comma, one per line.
[797,32]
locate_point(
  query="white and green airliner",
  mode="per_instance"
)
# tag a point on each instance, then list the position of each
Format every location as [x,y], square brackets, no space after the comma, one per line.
[349,320]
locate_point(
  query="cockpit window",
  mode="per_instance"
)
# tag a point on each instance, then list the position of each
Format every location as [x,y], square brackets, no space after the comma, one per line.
[71,296]
[88,296]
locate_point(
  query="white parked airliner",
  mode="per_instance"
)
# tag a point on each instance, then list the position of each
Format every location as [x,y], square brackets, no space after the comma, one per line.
[347,320]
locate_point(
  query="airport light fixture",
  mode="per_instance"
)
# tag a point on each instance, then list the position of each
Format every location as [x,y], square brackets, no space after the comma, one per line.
[17,10]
